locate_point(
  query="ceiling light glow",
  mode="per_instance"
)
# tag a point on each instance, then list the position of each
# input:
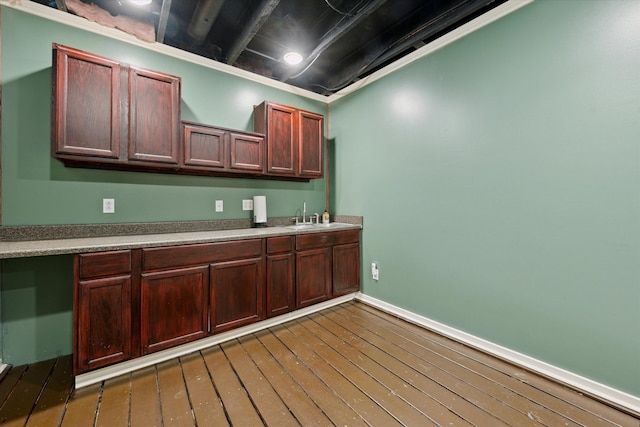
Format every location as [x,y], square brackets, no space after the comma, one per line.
[140,2]
[292,58]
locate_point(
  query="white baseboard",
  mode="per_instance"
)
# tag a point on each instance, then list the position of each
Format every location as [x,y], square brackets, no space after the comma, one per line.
[102,374]
[576,381]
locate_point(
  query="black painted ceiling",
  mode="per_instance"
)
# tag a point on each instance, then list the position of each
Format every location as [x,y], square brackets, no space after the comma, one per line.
[341,41]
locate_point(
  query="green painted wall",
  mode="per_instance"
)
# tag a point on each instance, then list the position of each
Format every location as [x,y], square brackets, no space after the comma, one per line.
[37,189]
[499,179]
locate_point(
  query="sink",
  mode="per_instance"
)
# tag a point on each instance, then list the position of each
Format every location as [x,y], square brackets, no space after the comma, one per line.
[316,226]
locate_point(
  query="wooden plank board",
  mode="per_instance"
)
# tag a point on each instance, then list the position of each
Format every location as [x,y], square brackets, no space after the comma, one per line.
[82,407]
[349,392]
[305,411]
[237,404]
[360,371]
[174,401]
[51,403]
[323,396]
[113,409]
[268,404]
[18,406]
[475,405]
[205,402]
[9,381]
[145,398]
[545,393]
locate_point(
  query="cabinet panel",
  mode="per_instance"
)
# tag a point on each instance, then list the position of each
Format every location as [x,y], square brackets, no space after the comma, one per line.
[203,253]
[280,284]
[86,111]
[313,276]
[154,116]
[318,240]
[237,294]
[203,146]
[103,325]
[278,123]
[346,269]
[104,264]
[173,307]
[246,152]
[311,144]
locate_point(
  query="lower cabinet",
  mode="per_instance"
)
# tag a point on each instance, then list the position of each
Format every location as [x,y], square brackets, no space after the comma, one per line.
[237,294]
[134,302]
[173,307]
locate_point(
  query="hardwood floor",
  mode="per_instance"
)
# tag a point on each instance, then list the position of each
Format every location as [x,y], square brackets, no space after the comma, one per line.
[351,365]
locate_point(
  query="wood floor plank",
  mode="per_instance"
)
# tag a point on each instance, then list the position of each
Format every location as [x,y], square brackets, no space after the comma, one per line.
[305,411]
[409,405]
[332,406]
[113,409]
[145,398]
[392,333]
[21,401]
[174,401]
[9,381]
[50,406]
[537,389]
[237,404]
[351,395]
[398,360]
[270,406]
[205,402]
[82,407]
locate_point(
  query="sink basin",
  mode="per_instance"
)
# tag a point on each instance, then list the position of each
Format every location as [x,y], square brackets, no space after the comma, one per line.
[316,226]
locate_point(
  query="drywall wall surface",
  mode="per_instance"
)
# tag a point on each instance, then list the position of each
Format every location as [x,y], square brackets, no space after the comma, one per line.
[499,180]
[37,189]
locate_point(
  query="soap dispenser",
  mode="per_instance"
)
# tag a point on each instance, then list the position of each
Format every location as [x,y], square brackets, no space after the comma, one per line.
[325,217]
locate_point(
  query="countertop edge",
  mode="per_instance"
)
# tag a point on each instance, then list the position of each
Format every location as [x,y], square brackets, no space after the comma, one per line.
[34,248]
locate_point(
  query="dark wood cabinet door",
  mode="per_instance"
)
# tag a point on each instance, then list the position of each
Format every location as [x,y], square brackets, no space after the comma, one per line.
[237,293]
[278,123]
[311,144]
[346,269]
[154,117]
[86,113]
[247,152]
[103,322]
[313,276]
[203,147]
[280,284]
[173,307]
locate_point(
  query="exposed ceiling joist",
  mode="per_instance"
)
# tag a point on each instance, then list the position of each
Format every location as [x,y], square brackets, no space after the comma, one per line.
[251,29]
[164,19]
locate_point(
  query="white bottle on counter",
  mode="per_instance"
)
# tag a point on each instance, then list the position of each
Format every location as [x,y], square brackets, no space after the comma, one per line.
[325,217]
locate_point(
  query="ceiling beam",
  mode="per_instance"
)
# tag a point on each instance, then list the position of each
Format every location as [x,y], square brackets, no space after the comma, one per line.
[251,29]
[203,18]
[382,54]
[163,20]
[62,5]
[334,35]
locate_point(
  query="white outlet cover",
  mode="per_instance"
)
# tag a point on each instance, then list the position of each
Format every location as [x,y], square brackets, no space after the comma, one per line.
[247,205]
[108,205]
[219,205]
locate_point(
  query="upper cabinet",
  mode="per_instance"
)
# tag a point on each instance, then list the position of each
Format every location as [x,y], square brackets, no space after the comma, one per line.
[112,114]
[295,140]
[107,114]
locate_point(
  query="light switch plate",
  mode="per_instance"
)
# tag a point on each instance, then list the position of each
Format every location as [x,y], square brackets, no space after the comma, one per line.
[247,205]
[219,206]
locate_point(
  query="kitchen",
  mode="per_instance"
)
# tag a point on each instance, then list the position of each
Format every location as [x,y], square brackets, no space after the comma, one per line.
[497,178]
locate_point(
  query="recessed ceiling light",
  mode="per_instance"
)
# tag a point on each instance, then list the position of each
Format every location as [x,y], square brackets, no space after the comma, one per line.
[292,58]
[140,2]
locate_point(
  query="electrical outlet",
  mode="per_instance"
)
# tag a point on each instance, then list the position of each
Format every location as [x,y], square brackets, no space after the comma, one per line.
[219,205]
[375,271]
[108,205]
[247,205]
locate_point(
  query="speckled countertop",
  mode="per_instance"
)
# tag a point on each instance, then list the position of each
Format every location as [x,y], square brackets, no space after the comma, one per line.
[21,247]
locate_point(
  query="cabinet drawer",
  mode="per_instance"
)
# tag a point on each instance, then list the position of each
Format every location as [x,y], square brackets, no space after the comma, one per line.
[205,253]
[278,245]
[104,264]
[320,240]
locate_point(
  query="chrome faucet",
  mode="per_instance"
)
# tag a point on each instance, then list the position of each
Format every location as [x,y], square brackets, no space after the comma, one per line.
[304,216]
